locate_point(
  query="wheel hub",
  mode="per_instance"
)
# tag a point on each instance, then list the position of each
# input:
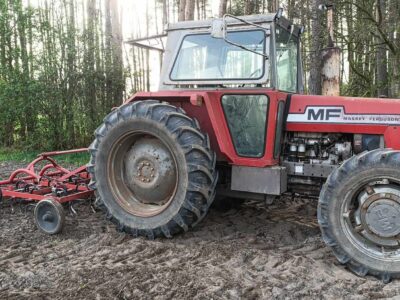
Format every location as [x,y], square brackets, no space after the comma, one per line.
[380,214]
[383,218]
[150,171]
[146,172]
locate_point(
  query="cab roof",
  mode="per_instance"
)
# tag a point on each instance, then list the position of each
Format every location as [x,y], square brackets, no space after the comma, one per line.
[257,19]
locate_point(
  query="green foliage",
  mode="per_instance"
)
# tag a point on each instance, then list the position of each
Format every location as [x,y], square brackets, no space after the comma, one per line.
[75,159]
[61,69]
[57,77]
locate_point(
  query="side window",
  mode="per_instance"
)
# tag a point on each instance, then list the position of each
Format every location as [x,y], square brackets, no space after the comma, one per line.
[286,60]
[246,116]
[279,128]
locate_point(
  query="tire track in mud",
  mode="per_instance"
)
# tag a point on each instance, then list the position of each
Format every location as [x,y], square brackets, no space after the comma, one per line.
[254,252]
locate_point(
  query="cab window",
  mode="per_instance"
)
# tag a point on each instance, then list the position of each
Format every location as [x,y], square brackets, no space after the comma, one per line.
[202,57]
[286,60]
[246,116]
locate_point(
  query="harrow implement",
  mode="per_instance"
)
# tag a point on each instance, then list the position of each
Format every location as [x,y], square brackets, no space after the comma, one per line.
[50,185]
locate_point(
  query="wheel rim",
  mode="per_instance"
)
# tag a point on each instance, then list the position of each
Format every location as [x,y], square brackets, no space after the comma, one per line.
[49,216]
[371,218]
[142,174]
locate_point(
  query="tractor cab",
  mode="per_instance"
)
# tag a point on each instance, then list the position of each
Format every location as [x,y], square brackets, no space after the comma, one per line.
[251,51]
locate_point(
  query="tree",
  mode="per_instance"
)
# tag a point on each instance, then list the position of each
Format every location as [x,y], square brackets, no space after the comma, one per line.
[381,53]
[189,10]
[182,10]
[90,82]
[116,41]
[314,85]
[273,5]
[222,7]
[63,64]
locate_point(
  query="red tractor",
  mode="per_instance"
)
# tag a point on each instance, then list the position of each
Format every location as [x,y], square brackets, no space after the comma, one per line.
[230,118]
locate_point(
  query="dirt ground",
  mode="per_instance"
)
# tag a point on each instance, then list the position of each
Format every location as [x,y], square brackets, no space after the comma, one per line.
[248,252]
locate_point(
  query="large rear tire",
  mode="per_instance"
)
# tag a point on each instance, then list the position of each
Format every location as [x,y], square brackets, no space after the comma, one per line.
[359,213]
[152,169]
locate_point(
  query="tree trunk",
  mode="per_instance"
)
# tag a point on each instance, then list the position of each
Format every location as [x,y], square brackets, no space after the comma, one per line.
[249,7]
[182,10]
[222,7]
[273,6]
[189,14]
[71,76]
[381,60]
[394,58]
[198,9]
[117,49]
[314,85]
[90,89]
[203,9]
[165,13]
[147,50]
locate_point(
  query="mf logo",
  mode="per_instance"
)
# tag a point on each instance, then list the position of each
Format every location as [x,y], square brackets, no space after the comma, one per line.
[323,114]
[337,115]
[383,219]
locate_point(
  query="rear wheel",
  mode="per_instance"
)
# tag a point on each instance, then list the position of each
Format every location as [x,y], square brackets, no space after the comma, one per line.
[359,213]
[152,169]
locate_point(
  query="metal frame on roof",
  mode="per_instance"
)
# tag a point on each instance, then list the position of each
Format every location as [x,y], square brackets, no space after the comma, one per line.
[139,42]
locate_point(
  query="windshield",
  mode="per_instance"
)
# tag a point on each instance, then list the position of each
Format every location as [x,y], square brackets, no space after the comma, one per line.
[202,57]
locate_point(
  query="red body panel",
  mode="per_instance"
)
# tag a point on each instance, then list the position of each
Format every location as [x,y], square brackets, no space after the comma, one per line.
[371,108]
[205,106]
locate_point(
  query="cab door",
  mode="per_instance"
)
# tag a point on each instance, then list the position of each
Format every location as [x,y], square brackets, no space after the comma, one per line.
[249,125]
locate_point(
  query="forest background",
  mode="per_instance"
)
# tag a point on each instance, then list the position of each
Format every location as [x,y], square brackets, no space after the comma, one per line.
[64,63]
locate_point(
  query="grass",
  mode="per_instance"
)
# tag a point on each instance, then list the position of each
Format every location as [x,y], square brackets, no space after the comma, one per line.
[76,159]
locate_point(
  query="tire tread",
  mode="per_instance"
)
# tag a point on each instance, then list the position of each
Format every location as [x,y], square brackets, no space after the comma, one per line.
[199,158]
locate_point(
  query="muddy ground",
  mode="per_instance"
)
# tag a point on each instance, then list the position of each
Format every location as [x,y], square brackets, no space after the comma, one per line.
[247,252]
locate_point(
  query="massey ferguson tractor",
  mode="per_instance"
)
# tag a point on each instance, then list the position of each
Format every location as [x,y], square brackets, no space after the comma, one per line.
[230,119]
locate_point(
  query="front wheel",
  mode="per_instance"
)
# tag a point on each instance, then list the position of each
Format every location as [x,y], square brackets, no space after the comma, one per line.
[152,169]
[359,213]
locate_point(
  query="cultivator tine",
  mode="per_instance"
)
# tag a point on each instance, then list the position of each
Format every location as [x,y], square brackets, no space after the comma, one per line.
[73,211]
[92,207]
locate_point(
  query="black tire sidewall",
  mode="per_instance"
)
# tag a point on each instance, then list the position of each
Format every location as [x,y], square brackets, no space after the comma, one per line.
[59,210]
[140,124]
[346,188]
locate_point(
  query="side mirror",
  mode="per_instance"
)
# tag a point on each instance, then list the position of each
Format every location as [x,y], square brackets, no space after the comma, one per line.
[218,29]
[279,13]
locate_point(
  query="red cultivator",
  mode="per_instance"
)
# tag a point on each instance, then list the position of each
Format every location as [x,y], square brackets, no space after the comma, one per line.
[50,185]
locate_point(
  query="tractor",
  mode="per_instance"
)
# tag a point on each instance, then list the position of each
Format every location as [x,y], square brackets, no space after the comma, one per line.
[230,118]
